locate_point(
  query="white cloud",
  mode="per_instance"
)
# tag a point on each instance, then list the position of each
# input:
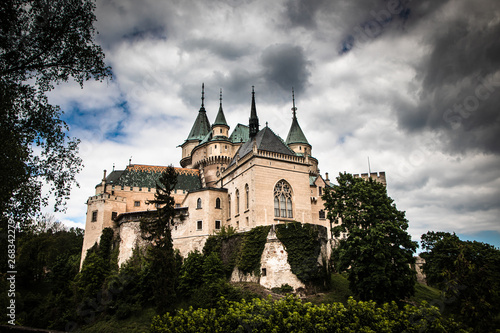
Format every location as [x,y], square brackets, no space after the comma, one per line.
[368,101]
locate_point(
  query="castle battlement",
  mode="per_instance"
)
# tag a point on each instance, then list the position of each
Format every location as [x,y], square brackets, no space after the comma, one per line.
[377,176]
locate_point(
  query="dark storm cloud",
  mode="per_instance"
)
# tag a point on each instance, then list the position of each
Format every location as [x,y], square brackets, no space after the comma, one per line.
[286,65]
[236,87]
[460,81]
[220,48]
[302,12]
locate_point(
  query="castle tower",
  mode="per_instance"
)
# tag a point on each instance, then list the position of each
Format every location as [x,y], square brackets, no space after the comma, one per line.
[254,120]
[296,139]
[220,128]
[200,129]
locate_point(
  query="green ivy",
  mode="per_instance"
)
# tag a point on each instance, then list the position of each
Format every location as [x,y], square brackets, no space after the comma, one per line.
[227,248]
[252,248]
[303,247]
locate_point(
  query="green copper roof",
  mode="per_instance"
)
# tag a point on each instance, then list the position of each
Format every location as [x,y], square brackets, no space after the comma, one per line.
[295,135]
[220,119]
[201,126]
[147,176]
[240,134]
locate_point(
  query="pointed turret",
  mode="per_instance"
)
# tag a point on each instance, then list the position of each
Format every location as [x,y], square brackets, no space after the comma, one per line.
[220,126]
[254,120]
[296,139]
[200,129]
[201,126]
[220,119]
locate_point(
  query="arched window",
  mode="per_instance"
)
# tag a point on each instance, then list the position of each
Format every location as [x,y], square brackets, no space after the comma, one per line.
[246,196]
[198,203]
[229,206]
[322,214]
[217,203]
[283,200]
[237,201]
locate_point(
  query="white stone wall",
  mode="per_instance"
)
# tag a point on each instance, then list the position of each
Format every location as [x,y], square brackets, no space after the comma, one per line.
[274,262]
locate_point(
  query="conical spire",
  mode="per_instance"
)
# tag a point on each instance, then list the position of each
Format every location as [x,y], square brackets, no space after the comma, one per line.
[254,120]
[295,135]
[220,119]
[201,126]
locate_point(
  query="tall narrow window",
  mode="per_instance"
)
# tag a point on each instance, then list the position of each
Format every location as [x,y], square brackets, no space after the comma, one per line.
[276,206]
[198,203]
[246,196]
[237,201]
[283,200]
[229,206]
[217,203]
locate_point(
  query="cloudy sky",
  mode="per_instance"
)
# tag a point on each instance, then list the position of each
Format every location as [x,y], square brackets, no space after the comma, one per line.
[412,85]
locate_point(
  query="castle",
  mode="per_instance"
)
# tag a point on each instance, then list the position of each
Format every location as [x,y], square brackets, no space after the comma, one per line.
[248,178]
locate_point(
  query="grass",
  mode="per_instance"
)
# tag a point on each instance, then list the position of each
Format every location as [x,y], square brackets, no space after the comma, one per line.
[425,293]
[139,323]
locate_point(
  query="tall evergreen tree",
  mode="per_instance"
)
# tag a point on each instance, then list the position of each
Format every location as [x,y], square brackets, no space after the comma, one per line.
[157,231]
[375,248]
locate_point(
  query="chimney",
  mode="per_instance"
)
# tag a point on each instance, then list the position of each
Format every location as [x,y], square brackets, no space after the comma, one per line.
[103,182]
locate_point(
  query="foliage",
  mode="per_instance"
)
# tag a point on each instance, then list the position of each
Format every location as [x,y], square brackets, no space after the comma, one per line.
[227,244]
[96,267]
[469,274]
[377,250]
[303,247]
[42,43]
[284,289]
[191,273]
[290,314]
[251,250]
[47,261]
[161,254]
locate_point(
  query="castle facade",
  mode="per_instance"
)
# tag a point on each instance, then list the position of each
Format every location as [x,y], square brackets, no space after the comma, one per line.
[243,178]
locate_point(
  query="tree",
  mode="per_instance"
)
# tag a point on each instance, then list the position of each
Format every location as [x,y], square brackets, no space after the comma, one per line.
[42,43]
[468,273]
[376,249]
[157,231]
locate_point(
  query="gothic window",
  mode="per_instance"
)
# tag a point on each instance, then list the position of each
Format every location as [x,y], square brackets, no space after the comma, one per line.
[320,190]
[322,214]
[198,203]
[237,201]
[283,200]
[217,203]
[246,196]
[94,216]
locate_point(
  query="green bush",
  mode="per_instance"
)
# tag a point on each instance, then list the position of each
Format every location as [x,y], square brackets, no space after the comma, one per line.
[290,314]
